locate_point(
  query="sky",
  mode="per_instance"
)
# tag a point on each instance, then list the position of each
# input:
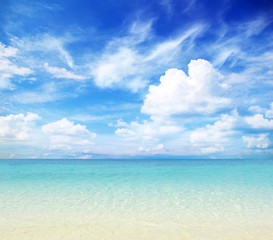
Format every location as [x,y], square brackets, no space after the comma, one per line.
[136,79]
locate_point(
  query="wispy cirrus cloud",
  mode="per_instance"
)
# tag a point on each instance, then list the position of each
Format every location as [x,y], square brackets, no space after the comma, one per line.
[165,51]
[48,44]
[47,92]
[62,73]
[112,74]
[124,64]
[8,66]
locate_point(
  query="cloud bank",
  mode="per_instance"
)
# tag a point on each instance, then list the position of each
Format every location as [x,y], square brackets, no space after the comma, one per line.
[69,137]
[177,93]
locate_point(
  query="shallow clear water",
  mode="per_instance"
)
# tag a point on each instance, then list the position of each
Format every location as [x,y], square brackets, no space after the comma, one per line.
[136,199]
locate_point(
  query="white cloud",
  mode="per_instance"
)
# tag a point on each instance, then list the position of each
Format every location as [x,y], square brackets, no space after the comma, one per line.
[7,51]
[87,118]
[258,121]
[156,129]
[139,32]
[224,53]
[31,117]
[179,93]
[123,63]
[120,65]
[257,141]
[118,69]
[164,51]
[256,109]
[16,127]
[255,27]
[148,132]
[208,150]
[47,44]
[7,66]
[167,4]
[34,97]
[120,123]
[269,113]
[88,156]
[211,138]
[62,73]
[155,150]
[47,93]
[5,82]
[168,130]
[66,127]
[125,133]
[69,137]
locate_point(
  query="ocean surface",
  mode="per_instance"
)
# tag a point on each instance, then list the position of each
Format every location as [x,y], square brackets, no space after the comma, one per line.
[136,199]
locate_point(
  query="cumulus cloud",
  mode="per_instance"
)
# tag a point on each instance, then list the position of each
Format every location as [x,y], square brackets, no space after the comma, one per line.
[178,93]
[211,138]
[62,73]
[16,127]
[7,66]
[257,141]
[69,137]
[259,122]
[267,112]
[126,133]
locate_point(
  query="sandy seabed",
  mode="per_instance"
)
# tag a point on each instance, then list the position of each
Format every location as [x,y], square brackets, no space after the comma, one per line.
[161,200]
[136,230]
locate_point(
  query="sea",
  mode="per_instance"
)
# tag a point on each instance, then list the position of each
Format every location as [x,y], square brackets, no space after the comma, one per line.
[136,199]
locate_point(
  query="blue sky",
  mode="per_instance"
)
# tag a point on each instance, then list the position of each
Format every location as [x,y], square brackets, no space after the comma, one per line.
[136,79]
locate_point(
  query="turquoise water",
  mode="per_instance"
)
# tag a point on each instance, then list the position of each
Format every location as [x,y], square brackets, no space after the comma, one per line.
[181,194]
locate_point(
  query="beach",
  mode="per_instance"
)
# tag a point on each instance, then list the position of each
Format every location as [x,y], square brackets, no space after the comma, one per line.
[136,199]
